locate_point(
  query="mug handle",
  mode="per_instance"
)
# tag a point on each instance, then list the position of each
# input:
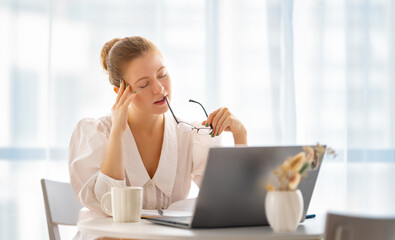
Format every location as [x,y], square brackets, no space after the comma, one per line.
[103,206]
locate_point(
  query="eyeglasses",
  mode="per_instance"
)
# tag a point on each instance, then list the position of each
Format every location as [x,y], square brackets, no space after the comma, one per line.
[189,127]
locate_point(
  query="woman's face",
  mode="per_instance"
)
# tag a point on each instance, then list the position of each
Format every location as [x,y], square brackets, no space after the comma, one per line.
[149,77]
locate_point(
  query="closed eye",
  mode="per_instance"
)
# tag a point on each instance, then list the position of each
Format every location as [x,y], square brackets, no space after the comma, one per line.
[144,85]
[163,76]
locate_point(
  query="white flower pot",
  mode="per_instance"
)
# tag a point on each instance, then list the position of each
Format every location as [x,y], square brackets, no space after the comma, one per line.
[284,210]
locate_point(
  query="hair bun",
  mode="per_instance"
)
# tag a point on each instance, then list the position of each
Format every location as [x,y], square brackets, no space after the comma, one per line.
[105,51]
[117,53]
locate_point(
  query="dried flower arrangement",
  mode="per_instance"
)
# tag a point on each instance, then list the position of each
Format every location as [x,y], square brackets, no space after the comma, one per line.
[294,168]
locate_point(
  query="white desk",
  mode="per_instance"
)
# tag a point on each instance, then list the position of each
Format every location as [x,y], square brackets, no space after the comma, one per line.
[105,227]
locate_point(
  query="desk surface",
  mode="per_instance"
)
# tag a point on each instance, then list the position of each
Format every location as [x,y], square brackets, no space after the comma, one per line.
[105,227]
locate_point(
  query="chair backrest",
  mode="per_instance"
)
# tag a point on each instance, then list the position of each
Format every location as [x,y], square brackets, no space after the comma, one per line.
[349,227]
[61,206]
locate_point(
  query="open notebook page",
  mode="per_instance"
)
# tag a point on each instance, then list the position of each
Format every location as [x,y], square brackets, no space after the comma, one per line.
[180,208]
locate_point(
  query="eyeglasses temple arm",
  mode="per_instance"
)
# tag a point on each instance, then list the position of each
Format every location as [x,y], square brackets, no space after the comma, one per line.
[171,111]
[190,100]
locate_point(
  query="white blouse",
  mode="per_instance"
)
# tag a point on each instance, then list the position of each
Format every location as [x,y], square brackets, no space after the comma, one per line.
[183,158]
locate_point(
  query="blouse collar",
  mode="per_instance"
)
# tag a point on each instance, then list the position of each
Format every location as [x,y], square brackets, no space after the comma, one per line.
[166,172]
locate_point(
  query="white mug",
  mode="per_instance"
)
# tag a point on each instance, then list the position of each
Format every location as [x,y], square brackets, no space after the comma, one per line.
[126,203]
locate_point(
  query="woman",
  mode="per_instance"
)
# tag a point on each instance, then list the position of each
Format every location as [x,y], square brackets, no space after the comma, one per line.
[141,143]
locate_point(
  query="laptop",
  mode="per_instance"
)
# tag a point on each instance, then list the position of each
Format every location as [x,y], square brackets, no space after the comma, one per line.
[233,189]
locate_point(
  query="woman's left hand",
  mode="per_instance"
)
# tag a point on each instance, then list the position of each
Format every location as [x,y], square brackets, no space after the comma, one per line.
[223,120]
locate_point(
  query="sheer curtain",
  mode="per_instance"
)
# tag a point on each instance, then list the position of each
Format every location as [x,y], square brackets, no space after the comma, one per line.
[295,72]
[344,88]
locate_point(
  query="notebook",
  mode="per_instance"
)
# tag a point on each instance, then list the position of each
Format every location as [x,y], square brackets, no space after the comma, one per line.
[232,192]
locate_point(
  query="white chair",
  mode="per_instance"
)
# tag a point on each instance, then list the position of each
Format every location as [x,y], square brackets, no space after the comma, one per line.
[352,227]
[61,206]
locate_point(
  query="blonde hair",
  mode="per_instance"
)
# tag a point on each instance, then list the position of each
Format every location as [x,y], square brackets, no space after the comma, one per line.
[117,52]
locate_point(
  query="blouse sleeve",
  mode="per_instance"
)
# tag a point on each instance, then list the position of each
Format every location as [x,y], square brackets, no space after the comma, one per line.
[87,150]
[201,146]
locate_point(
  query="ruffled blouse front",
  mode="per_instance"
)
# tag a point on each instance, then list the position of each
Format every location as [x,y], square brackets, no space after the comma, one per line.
[183,159]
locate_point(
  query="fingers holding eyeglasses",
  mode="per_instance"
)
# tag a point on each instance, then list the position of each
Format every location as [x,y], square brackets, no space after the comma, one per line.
[223,124]
[214,118]
[209,120]
[219,119]
[223,120]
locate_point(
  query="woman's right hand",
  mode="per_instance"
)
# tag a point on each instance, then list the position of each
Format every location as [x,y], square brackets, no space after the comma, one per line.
[119,110]
[113,165]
